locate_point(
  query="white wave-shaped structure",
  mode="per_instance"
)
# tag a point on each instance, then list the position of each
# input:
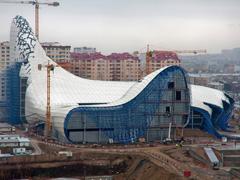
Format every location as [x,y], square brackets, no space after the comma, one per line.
[101,111]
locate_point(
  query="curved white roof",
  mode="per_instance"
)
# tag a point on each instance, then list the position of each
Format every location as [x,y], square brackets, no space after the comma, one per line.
[202,95]
[69,91]
[134,90]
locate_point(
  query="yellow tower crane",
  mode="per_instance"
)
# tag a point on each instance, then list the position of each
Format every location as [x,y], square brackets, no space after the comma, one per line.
[36,3]
[48,122]
[149,54]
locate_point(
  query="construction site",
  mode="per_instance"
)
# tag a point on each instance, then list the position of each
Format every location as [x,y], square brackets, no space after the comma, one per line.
[199,157]
[59,125]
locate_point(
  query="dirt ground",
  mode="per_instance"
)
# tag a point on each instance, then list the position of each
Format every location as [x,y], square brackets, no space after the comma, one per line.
[121,167]
[181,155]
[143,169]
[133,166]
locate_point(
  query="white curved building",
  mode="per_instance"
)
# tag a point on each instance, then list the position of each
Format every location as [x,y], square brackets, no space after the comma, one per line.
[101,111]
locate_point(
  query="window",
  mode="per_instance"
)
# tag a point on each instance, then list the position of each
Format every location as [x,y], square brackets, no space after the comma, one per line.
[168,109]
[178,95]
[170,85]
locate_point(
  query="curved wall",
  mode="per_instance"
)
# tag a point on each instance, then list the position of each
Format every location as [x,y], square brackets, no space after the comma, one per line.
[215,109]
[144,116]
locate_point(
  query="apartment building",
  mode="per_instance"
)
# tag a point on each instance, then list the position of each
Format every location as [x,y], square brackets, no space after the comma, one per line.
[57,52]
[88,50]
[114,67]
[124,67]
[83,64]
[161,59]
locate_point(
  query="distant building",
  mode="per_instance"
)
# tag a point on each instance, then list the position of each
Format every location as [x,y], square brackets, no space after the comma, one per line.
[199,80]
[216,85]
[161,59]
[115,67]
[142,58]
[66,65]
[4,63]
[237,68]
[231,55]
[57,52]
[124,67]
[229,68]
[88,50]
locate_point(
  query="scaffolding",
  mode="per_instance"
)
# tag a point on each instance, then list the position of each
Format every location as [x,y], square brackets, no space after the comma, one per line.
[13,93]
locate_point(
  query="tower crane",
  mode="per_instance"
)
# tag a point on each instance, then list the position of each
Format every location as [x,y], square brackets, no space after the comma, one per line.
[48,122]
[36,3]
[149,54]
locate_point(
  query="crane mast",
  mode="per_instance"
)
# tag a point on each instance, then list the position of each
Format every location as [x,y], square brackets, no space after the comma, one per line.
[148,57]
[48,122]
[37,19]
[48,118]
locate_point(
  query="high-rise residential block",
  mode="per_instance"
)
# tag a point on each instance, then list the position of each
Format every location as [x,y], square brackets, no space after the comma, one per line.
[124,67]
[114,67]
[159,59]
[57,52]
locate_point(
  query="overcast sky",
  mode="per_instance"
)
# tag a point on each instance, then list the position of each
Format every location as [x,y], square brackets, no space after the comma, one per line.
[128,25]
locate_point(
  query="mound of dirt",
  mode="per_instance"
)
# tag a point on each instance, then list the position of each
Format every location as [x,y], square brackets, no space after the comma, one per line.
[143,169]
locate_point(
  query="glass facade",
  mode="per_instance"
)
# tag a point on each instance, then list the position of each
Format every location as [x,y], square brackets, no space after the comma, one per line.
[166,99]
